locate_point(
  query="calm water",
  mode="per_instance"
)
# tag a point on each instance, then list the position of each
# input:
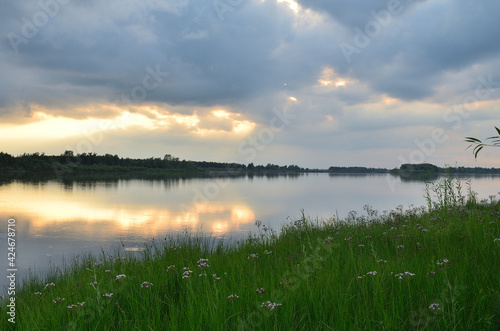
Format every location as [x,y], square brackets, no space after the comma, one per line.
[56,220]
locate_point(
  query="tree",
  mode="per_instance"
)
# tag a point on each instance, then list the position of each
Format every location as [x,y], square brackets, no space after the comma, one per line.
[479,144]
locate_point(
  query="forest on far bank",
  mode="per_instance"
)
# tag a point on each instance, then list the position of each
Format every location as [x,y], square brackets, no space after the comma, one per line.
[69,161]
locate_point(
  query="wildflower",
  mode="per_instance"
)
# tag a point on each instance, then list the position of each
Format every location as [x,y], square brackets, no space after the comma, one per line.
[435,306]
[120,276]
[94,283]
[81,304]
[118,259]
[328,240]
[203,275]
[57,300]
[107,271]
[268,252]
[260,290]
[382,261]
[347,239]
[393,228]
[442,263]
[373,273]
[496,239]
[203,264]
[253,257]
[431,273]
[38,294]
[361,277]
[385,234]
[97,263]
[215,277]
[285,283]
[72,306]
[187,273]
[171,268]
[146,284]
[298,223]
[270,306]
[258,223]
[49,285]
[361,245]
[405,274]
[233,297]
[425,230]
[108,295]
[400,246]
[368,237]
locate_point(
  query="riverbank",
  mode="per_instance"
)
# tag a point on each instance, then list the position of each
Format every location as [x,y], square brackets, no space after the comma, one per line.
[422,268]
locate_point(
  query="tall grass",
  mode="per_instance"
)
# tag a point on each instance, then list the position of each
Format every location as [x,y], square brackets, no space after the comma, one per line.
[434,268]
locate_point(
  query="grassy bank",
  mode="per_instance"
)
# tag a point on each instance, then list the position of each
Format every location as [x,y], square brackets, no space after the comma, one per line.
[434,268]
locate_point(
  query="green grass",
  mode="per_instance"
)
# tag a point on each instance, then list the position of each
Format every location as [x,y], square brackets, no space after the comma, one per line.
[332,275]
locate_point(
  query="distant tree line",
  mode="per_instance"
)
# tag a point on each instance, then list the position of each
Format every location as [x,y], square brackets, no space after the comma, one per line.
[356,170]
[427,168]
[69,161]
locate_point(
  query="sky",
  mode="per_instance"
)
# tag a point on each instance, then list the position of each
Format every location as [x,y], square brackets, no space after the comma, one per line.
[316,83]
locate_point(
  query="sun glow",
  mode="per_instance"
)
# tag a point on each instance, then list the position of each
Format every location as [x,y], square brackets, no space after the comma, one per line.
[44,127]
[294,6]
[330,78]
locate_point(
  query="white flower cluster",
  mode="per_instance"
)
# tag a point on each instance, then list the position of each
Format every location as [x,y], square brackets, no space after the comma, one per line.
[435,306]
[203,264]
[187,273]
[442,263]
[328,240]
[79,304]
[253,257]
[146,284]
[405,274]
[270,306]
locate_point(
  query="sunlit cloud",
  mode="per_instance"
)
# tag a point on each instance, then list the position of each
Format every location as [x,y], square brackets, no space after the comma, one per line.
[330,78]
[294,6]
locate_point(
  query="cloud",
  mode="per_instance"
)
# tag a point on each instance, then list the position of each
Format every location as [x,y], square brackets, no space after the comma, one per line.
[98,60]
